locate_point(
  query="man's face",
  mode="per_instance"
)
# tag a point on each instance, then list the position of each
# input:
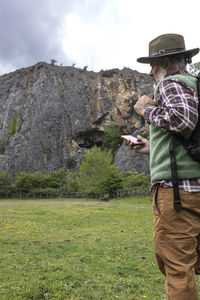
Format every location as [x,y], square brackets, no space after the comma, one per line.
[158,71]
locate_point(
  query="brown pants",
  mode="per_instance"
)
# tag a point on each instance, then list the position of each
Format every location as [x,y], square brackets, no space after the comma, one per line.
[177,242]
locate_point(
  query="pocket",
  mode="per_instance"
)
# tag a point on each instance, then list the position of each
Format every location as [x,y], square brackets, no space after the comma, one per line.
[155,207]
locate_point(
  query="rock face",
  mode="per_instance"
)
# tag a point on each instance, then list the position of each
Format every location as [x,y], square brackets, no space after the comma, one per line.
[128,160]
[51,114]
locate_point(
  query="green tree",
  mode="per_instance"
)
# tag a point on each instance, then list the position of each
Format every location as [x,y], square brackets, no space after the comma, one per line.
[53,62]
[12,125]
[111,139]
[98,173]
[5,183]
[194,69]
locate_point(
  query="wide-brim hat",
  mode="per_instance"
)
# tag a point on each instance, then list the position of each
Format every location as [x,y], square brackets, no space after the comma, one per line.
[165,45]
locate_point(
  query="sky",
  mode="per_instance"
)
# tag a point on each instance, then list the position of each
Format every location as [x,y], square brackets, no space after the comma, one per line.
[99,34]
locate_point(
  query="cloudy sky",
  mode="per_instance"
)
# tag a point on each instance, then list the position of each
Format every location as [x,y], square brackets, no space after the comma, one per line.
[100,34]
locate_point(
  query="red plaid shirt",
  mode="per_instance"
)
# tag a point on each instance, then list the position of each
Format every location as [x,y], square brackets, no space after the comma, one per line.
[176,110]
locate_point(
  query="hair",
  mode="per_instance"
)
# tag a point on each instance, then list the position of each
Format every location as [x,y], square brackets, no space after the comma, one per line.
[179,61]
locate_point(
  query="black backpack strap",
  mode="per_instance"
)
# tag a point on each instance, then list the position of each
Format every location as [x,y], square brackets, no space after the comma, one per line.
[187,144]
[177,200]
[198,86]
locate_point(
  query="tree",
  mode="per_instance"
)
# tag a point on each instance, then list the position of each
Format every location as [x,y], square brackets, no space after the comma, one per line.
[194,69]
[98,173]
[53,62]
[111,139]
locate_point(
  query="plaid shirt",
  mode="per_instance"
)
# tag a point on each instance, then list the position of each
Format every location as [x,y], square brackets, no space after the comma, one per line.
[176,110]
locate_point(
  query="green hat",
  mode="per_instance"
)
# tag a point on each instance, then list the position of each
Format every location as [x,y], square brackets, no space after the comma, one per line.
[165,45]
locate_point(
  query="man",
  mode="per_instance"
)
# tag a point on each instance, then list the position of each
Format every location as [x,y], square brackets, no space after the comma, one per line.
[173,110]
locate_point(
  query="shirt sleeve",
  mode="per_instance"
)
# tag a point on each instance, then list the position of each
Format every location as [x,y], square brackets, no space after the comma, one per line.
[177,107]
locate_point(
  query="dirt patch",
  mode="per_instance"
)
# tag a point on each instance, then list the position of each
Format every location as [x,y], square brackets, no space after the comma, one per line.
[48,202]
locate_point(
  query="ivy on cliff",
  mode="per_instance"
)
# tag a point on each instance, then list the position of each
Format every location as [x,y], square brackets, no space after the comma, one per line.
[12,125]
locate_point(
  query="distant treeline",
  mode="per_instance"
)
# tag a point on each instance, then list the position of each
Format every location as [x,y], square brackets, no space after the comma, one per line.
[97,175]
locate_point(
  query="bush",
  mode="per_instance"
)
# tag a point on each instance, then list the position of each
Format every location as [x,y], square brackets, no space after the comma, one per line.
[12,125]
[5,184]
[27,181]
[97,172]
[44,192]
[56,179]
[112,183]
[71,184]
[133,179]
[3,142]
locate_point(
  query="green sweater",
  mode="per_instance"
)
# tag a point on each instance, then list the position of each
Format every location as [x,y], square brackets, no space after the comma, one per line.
[159,147]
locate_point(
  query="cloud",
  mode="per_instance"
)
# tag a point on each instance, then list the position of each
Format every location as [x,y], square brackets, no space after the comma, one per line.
[30,31]
[100,34]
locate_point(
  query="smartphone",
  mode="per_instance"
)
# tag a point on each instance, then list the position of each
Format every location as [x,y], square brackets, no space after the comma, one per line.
[132,139]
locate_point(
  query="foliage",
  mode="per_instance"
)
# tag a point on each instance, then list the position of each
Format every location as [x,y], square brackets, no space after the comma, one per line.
[56,179]
[194,69]
[112,182]
[71,163]
[97,171]
[111,139]
[53,62]
[97,175]
[44,192]
[132,179]
[3,142]
[5,183]
[13,124]
[27,181]
[71,184]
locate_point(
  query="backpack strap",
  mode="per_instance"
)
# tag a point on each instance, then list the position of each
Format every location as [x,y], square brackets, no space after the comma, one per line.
[177,200]
[186,143]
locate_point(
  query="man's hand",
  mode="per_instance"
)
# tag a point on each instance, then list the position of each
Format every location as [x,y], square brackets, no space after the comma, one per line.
[142,103]
[142,149]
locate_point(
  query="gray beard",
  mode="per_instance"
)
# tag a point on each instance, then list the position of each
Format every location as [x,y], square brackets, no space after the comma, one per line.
[161,74]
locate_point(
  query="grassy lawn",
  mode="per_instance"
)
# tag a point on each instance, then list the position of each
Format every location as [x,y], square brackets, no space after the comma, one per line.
[78,249]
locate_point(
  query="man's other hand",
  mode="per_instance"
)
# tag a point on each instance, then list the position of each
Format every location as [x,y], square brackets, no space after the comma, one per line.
[142,103]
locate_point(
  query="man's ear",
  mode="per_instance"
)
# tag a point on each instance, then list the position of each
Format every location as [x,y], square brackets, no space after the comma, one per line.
[168,65]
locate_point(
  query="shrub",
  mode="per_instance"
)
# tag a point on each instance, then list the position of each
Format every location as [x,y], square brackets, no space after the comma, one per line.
[3,142]
[112,183]
[5,183]
[111,139]
[13,124]
[27,181]
[97,172]
[56,179]
[71,163]
[132,179]
[44,192]
[72,184]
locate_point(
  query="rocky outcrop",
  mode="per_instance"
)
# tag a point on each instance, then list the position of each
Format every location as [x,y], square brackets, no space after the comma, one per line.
[51,114]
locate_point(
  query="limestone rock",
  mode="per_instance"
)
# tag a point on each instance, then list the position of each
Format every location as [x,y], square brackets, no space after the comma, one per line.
[50,114]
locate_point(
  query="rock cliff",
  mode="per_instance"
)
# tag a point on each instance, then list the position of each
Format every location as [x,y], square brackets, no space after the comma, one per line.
[51,114]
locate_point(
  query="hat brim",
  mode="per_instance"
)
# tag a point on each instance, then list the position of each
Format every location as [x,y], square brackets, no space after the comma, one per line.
[148,60]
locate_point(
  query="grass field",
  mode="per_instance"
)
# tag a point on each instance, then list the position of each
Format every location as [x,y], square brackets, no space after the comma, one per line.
[78,249]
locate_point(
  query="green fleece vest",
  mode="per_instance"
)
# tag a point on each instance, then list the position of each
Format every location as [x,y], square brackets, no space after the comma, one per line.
[159,147]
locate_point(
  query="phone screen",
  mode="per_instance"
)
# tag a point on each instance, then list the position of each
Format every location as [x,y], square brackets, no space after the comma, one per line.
[132,139]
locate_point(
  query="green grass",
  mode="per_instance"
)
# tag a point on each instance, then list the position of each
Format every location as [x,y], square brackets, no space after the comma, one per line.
[78,249]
